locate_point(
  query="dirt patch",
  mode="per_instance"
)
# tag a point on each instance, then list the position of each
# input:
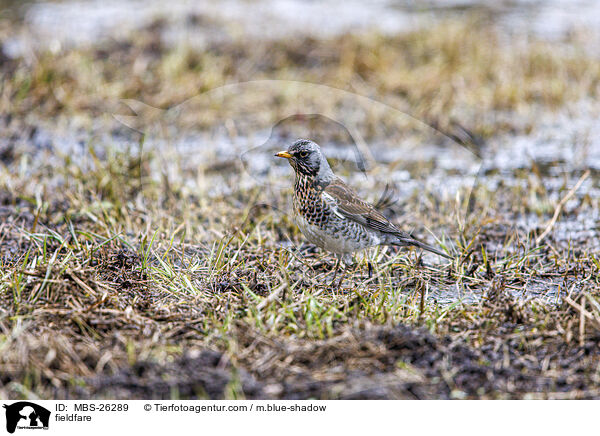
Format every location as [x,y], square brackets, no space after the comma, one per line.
[369,362]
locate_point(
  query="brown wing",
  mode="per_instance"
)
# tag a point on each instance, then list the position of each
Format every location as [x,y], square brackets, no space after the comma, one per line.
[348,204]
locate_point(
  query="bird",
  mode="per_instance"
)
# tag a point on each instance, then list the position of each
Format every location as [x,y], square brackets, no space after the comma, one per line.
[331,214]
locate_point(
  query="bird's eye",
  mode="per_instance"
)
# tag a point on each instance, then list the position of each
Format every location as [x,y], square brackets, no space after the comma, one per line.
[303,154]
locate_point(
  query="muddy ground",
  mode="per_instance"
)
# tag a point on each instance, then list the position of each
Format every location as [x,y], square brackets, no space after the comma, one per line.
[150,253]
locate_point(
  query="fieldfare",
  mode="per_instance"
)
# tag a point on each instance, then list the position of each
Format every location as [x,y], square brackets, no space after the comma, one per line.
[331,214]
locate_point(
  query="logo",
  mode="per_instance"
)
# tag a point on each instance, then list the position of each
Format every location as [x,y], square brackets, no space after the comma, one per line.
[26,415]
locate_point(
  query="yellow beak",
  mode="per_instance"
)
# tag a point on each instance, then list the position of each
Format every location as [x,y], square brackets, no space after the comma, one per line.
[284,154]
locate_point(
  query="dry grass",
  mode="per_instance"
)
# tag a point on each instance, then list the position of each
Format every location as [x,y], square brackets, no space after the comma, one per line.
[459,70]
[115,288]
[98,286]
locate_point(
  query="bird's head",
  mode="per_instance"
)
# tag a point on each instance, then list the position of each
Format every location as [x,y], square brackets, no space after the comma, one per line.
[306,158]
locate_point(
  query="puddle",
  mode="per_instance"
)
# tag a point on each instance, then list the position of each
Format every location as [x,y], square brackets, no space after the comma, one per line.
[561,141]
[57,25]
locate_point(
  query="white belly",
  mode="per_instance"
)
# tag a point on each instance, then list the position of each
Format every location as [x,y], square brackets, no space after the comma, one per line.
[334,241]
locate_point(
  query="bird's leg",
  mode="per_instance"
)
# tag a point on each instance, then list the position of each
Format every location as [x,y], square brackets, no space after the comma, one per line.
[342,276]
[335,271]
[346,259]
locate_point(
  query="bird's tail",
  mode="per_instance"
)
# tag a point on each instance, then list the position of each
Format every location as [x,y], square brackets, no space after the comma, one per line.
[405,239]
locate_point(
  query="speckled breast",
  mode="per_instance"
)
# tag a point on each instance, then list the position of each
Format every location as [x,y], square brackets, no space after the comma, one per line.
[322,226]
